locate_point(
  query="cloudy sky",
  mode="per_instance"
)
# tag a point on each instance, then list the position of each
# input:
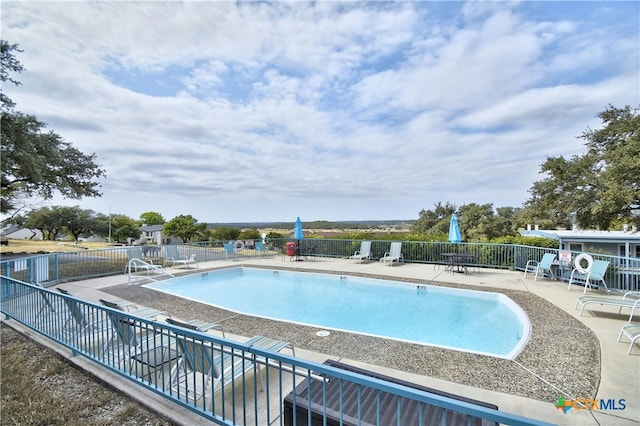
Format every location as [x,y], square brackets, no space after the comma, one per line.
[264,111]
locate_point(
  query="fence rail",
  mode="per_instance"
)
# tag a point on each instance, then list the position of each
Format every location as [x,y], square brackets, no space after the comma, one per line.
[623,273]
[222,380]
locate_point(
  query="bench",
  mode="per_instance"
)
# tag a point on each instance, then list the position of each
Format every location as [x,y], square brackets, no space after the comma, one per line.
[368,409]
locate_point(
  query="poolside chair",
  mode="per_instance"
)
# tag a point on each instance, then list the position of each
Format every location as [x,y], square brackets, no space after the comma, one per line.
[197,325]
[229,251]
[260,248]
[47,306]
[205,367]
[83,328]
[630,299]
[139,312]
[596,273]
[136,340]
[394,254]
[173,258]
[541,268]
[135,253]
[364,253]
[632,331]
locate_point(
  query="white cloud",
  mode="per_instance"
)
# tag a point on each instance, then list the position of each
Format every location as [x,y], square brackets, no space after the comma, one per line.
[262,111]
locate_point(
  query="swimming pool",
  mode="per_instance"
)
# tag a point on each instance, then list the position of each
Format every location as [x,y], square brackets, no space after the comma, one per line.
[473,321]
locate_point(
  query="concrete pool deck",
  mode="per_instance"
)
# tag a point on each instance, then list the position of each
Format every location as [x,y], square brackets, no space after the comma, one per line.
[568,355]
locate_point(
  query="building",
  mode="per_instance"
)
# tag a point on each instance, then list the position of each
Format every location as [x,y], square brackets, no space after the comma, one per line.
[152,234]
[616,243]
[13,232]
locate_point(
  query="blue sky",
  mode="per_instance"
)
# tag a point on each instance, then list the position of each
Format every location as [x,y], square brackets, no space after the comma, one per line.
[265,111]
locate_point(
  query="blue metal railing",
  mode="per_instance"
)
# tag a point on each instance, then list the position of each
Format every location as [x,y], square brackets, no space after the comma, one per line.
[222,380]
[623,273]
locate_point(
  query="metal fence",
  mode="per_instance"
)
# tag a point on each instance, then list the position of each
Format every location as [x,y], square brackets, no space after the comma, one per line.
[251,383]
[623,273]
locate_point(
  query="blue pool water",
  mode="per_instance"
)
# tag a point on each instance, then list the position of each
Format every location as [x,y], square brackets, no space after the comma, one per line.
[473,321]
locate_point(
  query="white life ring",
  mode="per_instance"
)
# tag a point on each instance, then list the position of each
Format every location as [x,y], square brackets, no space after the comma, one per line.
[238,245]
[578,263]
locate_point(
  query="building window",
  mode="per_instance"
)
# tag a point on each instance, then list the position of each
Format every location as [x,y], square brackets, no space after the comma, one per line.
[575,246]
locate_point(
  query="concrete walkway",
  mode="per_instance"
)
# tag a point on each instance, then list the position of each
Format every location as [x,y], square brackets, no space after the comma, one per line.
[619,372]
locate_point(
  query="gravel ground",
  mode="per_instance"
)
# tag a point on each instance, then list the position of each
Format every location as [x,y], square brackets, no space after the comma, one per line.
[551,364]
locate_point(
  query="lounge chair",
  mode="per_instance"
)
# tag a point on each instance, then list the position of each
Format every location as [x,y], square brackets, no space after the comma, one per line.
[48,305]
[364,253]
[149,313]
[394,254]
[542,268]
[229,251]
[174,258]
[206,365]
[135,253]
[630,299]
[632,331]
[596,273]
[82,326]
[260,248]
[197,325]
[136,340]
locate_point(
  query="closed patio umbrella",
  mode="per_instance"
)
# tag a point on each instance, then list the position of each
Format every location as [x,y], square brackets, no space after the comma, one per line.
[298,235]
[454,230]
[297,230]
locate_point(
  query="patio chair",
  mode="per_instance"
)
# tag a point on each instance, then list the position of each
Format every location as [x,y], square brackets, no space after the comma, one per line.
[632,332]
[135,253]
[83,326]
[394,254]
[205,367]
[136,340]
[173,258]
[541,268]
[197,325]
[630,299]
[229,251]
[595,273]
[47,306]
[260,248]
[364,253]
[140,312]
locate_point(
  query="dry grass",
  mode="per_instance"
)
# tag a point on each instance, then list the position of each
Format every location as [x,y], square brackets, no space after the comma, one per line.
[38,387]
[39,246]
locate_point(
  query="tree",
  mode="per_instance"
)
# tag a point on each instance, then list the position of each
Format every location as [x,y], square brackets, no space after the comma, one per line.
[49,220]
[124,228]
[152,218]
[38,219]
[434,222]
[184,227]
[8,63]
[35,162]
[225,233]
[250,234]
[80,222]
[601,187]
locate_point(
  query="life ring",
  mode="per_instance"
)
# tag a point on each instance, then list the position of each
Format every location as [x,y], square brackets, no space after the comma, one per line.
[238,245]
[578,263]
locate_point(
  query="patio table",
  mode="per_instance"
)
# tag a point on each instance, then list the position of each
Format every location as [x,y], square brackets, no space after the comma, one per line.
[457,262]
